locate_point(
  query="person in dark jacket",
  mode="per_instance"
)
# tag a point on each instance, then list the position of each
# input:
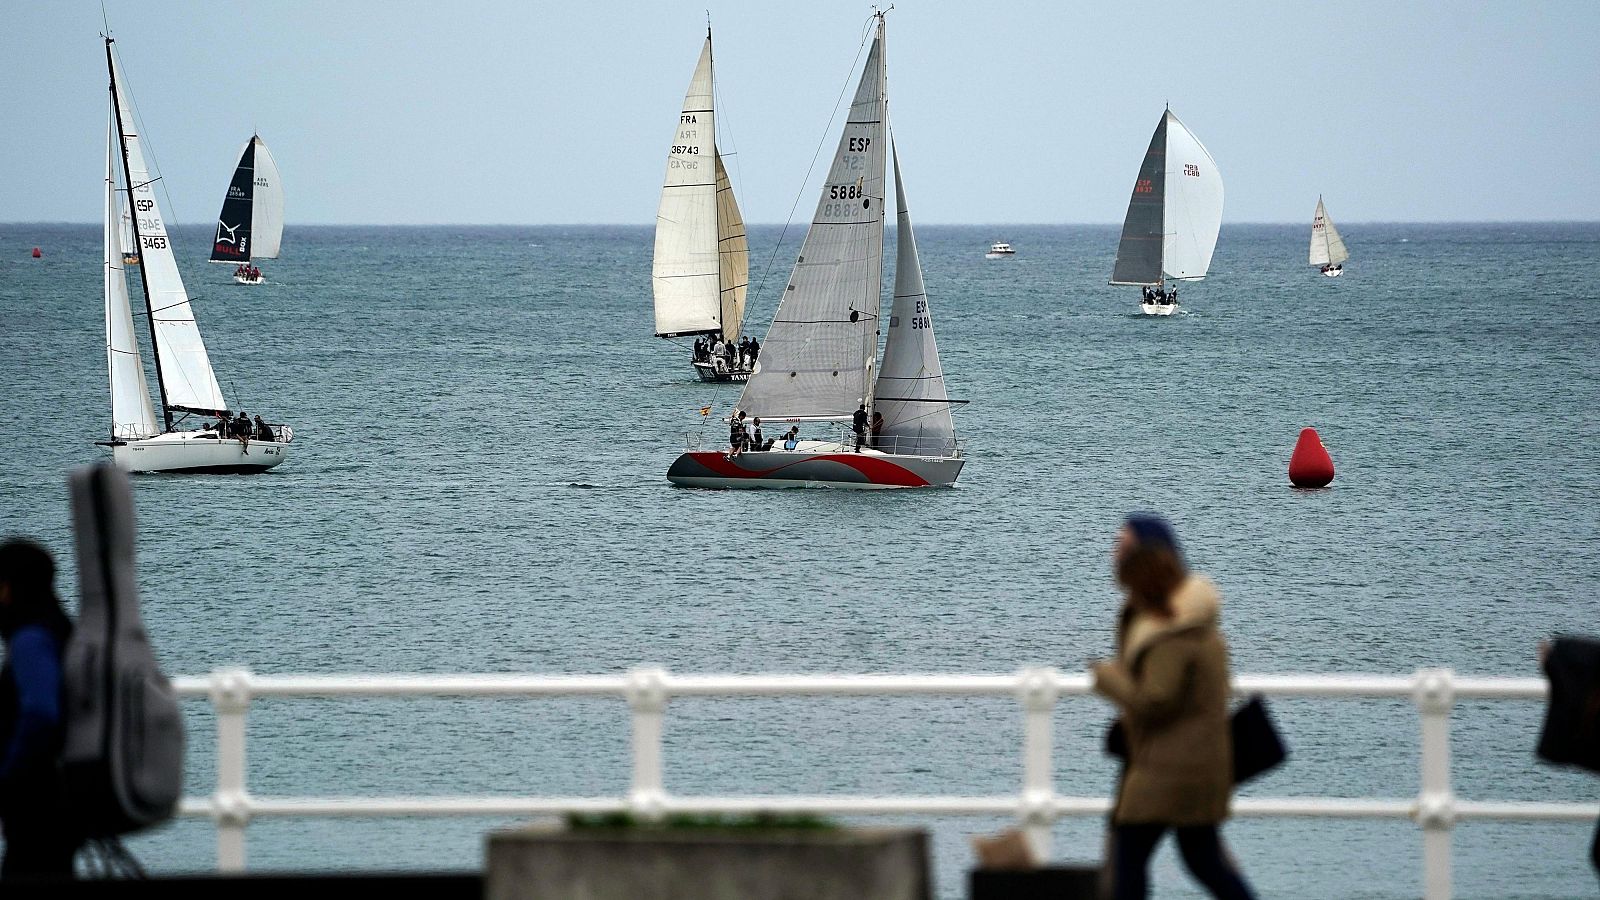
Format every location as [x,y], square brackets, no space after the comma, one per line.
[40,840]
[1170,682]
[264,431]
[1571,734]
[858,424]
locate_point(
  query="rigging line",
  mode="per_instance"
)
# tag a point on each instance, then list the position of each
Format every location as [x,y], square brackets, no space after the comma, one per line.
[149,148]
[814,156]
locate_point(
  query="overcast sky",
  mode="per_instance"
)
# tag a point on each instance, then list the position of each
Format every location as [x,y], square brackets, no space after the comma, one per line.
[512,112]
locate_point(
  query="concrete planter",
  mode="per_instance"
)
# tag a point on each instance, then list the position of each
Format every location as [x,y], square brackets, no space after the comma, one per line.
[553,863]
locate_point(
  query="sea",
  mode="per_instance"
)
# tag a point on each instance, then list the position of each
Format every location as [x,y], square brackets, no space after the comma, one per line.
[483,421]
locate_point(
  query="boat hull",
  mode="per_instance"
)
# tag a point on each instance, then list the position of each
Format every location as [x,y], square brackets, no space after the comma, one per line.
[868,470]
[710,373]
[1333,273]
[1158,309]
[240,279]
[188,451]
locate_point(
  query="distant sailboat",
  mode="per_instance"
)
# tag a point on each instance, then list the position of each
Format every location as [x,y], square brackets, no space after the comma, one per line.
[130,255]
[184,377]
[1327,248]
[250,226]
[701,270]
[817,364]
[1173,217]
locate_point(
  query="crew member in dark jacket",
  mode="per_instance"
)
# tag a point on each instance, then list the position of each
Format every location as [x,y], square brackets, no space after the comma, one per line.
[1170,682]
[40,840]
[1571,733]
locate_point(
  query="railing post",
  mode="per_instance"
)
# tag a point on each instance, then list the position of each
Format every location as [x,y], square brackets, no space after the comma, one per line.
[230,805]
[647,698]
[1434,696]
[1038,692]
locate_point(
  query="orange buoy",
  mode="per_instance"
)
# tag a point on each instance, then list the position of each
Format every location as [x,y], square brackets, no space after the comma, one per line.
[36,253]
[1310,466]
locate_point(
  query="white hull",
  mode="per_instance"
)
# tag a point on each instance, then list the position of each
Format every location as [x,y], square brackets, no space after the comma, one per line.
[197,451]
[259,279]
[998,255]
[1333,273]
[1158,309]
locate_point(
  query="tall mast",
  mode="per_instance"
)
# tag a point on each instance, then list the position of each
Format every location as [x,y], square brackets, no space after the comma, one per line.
[138,243]
[877,295]
[716,211]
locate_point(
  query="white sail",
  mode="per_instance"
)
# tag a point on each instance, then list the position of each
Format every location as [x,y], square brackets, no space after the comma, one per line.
[910,392]
[733,250]
[684,276]
[186,377]
[1327,248]
[266,209]
[817,357]
[1193,213]
[132,416]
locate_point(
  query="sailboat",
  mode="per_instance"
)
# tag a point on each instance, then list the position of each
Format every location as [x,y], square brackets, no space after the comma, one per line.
[701,269]
[130,255]
[818,362]
[1173,217]
[250,226]
[1327,248]
[184,376]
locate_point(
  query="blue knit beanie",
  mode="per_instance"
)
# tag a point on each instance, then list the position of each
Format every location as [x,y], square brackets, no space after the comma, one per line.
[1153,531]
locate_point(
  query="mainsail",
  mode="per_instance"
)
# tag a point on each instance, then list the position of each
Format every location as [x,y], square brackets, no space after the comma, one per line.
[733,252]
[910,392]
[1327,248]
[685,271]
[1170,230]
[234,225]
[187,382]
[251,222]
[132,416]
[1144,228]
[817,358]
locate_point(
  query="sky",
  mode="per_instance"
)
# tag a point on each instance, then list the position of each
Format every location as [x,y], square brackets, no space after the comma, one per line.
[506,112]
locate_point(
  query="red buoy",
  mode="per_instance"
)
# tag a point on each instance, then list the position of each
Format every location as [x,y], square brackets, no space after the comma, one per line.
[1310,466]
[36,253]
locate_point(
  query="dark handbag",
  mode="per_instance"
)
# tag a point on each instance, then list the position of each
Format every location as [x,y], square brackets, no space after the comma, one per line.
[1257,749]
[1256,745]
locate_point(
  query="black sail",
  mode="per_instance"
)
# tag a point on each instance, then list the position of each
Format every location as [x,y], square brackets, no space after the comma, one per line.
[232,243]
[1139,253]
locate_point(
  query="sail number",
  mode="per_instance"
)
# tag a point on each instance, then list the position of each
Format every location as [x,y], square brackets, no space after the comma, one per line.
[156,242]
[1192,170]
[846,192]
[1144,186]
[691,149]
[921,320]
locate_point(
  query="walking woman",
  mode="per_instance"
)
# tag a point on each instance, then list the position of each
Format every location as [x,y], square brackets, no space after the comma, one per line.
[1170,683]
[40,841]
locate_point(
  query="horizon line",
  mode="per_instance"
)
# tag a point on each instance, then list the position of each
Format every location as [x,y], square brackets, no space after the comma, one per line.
[1346,223]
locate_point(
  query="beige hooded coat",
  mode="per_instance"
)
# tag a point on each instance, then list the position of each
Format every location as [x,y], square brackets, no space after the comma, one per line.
[1170,680]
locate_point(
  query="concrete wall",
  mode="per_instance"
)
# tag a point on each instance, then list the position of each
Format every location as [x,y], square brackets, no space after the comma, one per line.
[706,864]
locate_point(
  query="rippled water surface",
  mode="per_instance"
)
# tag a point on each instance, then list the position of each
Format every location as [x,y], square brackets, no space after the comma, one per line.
[483,421]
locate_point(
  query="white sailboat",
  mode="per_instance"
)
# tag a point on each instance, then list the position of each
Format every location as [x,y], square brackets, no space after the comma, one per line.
[1173,217]
[818,362]
[184,376]
[701,269]
[250,226]
[1327,247]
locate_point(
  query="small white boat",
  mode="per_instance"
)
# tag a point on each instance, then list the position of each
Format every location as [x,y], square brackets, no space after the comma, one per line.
[1173,216]
[1000,250]
[1328,251]
[700,271]
[183,370]
[250,226]
[818,364]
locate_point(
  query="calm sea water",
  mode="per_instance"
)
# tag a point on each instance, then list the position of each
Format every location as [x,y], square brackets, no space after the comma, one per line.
[483,421]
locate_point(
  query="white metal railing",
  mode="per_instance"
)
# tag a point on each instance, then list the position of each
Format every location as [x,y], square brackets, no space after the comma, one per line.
[1435,808]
